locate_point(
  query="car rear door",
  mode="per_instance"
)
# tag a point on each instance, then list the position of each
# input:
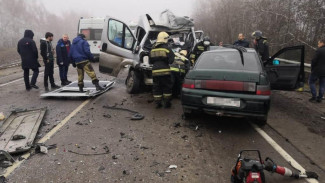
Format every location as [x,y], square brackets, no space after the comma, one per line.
[117,47]
[285,69]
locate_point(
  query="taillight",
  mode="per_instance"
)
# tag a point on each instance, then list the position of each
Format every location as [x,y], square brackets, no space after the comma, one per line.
[263,90]
[188,83]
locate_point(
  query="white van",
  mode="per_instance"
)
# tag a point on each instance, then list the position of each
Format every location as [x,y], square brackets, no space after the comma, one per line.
[92,28]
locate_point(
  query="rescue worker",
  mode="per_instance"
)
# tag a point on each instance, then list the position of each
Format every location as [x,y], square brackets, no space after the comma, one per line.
[261,45]
[47,52]
[179,68]
[241,41]
[80,56]
[62,58]
[161,56]
[199,48]
[28,52]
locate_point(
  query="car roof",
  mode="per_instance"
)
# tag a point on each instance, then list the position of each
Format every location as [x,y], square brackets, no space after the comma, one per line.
[216,49]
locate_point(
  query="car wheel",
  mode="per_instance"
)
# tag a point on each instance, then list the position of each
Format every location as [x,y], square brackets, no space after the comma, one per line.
[133,82]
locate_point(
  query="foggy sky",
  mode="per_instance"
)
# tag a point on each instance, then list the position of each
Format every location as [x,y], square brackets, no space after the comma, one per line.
[126,10]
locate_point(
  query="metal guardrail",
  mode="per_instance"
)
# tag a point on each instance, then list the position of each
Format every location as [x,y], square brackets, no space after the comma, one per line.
[307,66]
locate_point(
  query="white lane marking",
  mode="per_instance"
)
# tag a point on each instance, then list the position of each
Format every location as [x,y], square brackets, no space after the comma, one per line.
[17,164]
[281,151]
[5,84]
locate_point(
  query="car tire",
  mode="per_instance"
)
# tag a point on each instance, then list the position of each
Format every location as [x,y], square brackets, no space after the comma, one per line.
[133,82]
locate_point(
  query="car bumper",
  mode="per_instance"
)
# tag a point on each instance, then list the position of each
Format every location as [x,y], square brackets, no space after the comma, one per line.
[250,105]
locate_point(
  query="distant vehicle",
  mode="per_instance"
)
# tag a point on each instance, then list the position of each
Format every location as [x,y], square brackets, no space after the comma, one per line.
[234,82]
[121,47]
[92,28]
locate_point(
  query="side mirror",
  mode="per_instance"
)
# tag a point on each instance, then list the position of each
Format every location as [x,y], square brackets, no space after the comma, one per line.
[104,47]
[137,49]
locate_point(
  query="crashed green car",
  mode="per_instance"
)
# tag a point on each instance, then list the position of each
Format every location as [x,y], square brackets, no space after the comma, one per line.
[234,82]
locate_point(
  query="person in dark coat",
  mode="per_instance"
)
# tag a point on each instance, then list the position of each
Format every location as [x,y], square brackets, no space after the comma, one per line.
[241,41]
[81,56]
[47,52]
[318,73]
[62,58]
[28,52]
[261,45]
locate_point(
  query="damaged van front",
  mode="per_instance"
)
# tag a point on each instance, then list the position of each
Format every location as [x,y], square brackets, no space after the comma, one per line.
[121,46]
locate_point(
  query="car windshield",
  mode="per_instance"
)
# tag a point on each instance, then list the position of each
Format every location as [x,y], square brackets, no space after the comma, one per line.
[228,60]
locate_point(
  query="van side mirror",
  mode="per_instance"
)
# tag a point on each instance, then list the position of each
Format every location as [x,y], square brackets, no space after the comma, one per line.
[137,49]
[104,47]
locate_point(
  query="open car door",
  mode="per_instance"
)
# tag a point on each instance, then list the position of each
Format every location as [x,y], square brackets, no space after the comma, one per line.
[117,47]
[285,69]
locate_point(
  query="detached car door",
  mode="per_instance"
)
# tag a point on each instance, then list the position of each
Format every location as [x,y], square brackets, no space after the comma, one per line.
[117,47]
[285,69]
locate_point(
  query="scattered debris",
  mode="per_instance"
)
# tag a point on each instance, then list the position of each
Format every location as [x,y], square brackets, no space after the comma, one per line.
[101,168]
[144,147]
[137,116]
[172,167]
[114,157]
[107,116]
[196,128]
[6,159]
[41,148]
[2,116]
[154,164]
[177,125]
[27,123]
[3,179]
[18,137]
[168,171]
[88,154]
[125,172]
[322,118]
[185,137]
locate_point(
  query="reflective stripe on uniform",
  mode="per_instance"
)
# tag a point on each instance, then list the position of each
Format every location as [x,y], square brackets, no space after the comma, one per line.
[192,56]
[201,48]
[177,69]
[160,49]
[157,96]
[159,52]
[160,70]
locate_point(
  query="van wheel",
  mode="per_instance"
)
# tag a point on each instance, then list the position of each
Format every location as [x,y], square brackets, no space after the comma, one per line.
[133,82]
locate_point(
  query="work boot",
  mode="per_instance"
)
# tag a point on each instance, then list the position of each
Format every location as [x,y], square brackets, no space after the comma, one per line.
[98,87]
[81,88]
[68,81]
[319,100]
[55,86]
[312,99]
[47,89]
[158,104]
[64,83]
[34,86]
[168,104]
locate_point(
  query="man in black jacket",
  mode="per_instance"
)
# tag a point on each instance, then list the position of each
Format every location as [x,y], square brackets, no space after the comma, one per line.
[261,45]
[62,58]
[28,52]
[161,56]
[318,72]
[241,41]
[47,53]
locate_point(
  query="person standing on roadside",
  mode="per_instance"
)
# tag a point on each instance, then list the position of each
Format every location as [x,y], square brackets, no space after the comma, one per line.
[81,56]
[28,52]
[241,41]
[62,58]
[318,73]
[47,53]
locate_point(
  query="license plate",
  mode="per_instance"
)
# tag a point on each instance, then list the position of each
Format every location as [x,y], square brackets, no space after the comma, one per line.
[230,102]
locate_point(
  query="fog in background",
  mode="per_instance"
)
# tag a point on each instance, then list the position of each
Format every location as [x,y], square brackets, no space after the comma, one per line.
[126,10]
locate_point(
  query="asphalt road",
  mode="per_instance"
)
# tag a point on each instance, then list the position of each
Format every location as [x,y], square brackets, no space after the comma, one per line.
[204,148]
